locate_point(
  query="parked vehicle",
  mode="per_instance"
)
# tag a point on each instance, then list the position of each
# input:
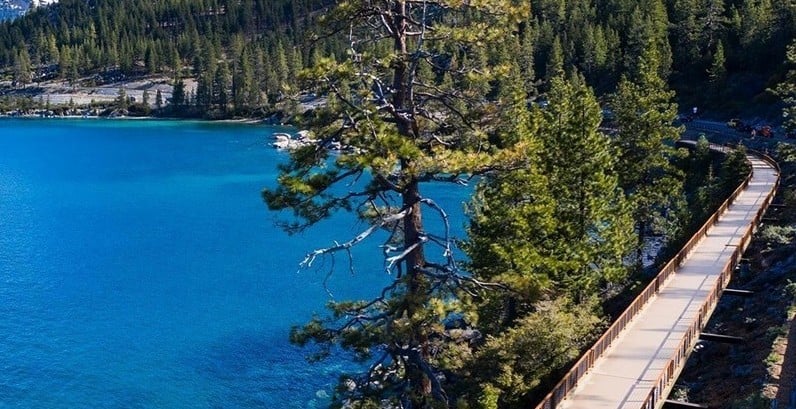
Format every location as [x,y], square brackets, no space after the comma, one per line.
[765,131]
[739,125]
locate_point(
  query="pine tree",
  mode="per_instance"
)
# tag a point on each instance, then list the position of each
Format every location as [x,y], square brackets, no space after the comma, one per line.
[714,22]
[158,100]
[176,65]
[555,62]
[594,231]
[718,71]
[787,91]
[243,91]
[644,113]
[39,50]
[121,99]
[152,59]
[734,169]
[700,179]
[52,50]
[756,31]
[404,133]
[595,52]
[23,68]
[73,72]
[280,66]
[512,219]
[65,62]
[525,61]
[221,87]
[204,90]
[178,93]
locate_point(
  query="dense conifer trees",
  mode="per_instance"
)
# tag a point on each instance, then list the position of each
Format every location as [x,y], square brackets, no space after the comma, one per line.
[787,90]
[554,235]
[22,68]
[601,38]
[75,39]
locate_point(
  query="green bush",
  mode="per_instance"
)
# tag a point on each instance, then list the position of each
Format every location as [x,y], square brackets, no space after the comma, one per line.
[752,402]
[509,366]
[777,235]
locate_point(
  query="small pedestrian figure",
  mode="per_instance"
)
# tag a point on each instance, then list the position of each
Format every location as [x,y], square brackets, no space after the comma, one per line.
[694,111]
[754,133]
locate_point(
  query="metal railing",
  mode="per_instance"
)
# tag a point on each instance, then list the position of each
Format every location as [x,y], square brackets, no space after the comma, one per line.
[586,362]
[668,375]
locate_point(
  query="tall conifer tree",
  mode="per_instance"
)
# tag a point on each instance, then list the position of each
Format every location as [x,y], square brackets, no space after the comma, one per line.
[405,131]
[787,90]
[645,145]
[23,68]
[594,231]
[511,223]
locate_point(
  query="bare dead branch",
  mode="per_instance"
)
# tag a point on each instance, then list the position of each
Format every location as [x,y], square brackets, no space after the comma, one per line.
[350,260]
[387,26]
[391,261]
[447,238]
[444,273]
[327,277]
[310,258]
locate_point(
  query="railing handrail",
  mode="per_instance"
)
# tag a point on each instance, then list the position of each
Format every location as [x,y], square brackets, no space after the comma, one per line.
[685,346]
[586,361]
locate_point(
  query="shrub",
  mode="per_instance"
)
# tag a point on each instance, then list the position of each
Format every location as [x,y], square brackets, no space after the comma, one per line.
[774,236]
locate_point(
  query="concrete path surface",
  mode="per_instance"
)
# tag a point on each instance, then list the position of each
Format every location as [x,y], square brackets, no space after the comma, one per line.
[625,374]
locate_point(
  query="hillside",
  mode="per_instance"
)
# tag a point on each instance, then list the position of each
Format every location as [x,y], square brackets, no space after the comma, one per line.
[720,54]
[255,44]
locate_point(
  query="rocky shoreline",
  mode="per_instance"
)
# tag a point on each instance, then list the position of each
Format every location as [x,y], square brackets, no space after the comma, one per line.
[300,139]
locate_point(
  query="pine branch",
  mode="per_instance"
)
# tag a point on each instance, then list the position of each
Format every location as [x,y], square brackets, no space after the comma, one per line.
[310,258]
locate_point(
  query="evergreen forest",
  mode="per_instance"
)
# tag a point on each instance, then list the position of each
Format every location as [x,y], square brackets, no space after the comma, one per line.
[717,54]
[561,114]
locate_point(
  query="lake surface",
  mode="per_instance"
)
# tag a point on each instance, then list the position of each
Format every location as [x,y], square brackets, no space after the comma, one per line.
[139,268]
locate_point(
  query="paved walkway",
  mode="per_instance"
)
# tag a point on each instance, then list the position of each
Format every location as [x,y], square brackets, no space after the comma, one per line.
[623,377]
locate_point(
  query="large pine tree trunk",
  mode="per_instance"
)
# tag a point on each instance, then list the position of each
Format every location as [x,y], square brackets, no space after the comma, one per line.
[416,282]
[415,296]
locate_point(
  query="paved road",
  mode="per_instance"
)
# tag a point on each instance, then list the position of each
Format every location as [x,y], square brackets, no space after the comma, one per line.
[624,376]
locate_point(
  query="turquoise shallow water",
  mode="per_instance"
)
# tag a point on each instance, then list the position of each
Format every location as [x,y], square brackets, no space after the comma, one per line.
[139,268]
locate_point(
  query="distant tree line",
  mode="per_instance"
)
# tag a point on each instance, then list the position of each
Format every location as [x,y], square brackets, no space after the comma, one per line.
[242,53]
[247,53]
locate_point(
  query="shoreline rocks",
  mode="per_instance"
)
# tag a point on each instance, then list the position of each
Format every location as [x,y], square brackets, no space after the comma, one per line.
[304,138]
[290,142]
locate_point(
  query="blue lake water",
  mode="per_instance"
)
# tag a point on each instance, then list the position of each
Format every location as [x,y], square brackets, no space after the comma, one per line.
[139,268]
